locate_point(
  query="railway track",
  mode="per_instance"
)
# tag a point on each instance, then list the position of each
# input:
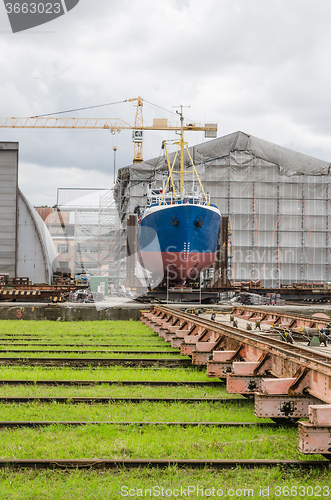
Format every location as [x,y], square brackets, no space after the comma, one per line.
[251,337]
[38,404]
[161,464]
[86,362]
[74,351]
[289,381]
[298,354]
[107,400]
[152,383]
[83,345]
[44,423]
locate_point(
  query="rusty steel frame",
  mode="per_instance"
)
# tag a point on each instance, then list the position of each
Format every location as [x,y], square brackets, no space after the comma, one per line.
[29,292]
[279,319]
[286,359]
[254,364]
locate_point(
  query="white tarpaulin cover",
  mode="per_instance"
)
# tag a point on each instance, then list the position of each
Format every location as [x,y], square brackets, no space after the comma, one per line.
[277,201]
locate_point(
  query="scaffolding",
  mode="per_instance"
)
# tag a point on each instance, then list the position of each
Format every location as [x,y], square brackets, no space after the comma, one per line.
[277,201]
[87,230]
[98,239]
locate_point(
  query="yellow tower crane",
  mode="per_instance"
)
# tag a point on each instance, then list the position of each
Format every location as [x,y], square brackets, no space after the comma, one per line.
[112,124]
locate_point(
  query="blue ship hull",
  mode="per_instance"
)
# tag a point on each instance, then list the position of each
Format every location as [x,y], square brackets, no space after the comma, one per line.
[178,241]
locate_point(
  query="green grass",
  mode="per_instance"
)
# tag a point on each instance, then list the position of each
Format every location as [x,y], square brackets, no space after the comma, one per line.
[99,485]
[93,329]
[132,412]
[111,373]
[131,442]
[106,390]
[90,355]
[158,442]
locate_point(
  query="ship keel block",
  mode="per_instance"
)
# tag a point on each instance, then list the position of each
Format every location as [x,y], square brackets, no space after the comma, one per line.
[222,356]
[320,414]
[283,406]
[184,333]
[176,342]
[276,385]
[314,439]
[187,347]
[217,369]
[221,364]
[202,352]
[162,333]
[168,336]
[315,435]
[200,358]
[244,367]
[173,329]
[240,384]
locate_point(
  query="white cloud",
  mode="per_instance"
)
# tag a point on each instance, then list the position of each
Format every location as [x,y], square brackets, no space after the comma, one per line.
[257,66]
[42,182]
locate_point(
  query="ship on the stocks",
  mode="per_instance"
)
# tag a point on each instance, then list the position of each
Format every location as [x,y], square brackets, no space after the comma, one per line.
[178,230]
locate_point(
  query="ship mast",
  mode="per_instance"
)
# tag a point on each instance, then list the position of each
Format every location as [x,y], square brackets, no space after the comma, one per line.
[182,145]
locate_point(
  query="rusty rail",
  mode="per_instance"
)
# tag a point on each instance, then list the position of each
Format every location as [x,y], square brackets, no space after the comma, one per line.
[47,423]
[89,351]
[106,400]
[292,321]
[79,362]
[288,381]
[156,383]
[298,354]
[151,463]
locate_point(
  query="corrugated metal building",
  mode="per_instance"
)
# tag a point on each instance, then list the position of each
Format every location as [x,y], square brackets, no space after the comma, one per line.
[277,201]
[26,247]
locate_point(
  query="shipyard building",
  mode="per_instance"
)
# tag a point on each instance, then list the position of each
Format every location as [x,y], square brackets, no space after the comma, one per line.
[277,201]
[26,247]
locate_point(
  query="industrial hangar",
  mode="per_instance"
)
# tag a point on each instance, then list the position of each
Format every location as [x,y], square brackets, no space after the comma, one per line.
[277,201]
[26,247]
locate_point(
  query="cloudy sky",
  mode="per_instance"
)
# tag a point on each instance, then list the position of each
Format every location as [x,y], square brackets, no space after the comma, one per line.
[260,66]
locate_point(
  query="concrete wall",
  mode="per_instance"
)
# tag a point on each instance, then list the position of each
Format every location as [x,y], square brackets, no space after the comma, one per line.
[65,312]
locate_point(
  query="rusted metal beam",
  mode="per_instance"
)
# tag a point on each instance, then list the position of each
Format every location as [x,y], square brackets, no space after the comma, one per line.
[283,406]
[315,435]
